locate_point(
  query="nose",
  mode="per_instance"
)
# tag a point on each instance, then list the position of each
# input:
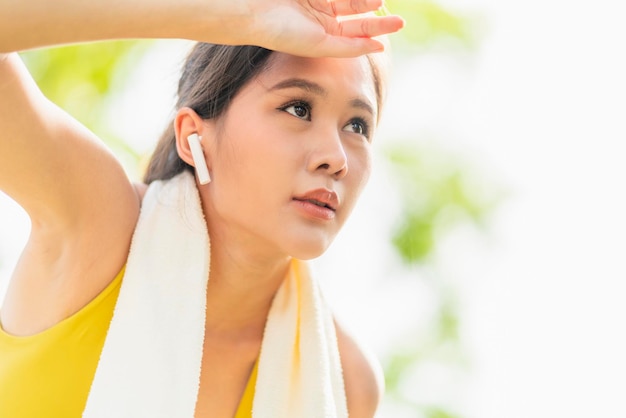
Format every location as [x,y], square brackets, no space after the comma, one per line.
[329,155]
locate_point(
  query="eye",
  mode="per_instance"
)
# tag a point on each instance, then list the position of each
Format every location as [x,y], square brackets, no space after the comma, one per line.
[358,126]
[301,110]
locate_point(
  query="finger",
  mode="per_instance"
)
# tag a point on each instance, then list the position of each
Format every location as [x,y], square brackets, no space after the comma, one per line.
[341,47]
[350,7]
[369,26]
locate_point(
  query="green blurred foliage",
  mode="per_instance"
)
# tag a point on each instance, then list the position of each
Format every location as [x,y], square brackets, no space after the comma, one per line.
[81,79]
[434,412]
[437,344]
[440,193]
[429,23]
[437,196]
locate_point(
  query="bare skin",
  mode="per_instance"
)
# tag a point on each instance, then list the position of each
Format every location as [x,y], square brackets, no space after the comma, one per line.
[272,24]
[84,209]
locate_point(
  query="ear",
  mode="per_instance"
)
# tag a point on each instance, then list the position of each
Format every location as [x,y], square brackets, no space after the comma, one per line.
[187,122]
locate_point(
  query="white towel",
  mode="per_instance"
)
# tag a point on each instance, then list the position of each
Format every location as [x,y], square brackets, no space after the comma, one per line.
[150,362]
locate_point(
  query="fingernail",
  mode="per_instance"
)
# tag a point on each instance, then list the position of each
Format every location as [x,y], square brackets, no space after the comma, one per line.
[374,4]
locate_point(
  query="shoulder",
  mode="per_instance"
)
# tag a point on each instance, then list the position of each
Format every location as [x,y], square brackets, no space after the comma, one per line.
[363,376]
[140,190]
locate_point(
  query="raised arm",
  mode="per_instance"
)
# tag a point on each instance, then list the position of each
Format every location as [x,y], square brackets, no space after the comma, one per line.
[82,206]
[311,28]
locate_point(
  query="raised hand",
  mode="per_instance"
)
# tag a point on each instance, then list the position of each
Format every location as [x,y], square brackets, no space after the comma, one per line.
[322,27]
[300,27]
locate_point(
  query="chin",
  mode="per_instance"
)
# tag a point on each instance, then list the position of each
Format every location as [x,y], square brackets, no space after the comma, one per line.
[308,250]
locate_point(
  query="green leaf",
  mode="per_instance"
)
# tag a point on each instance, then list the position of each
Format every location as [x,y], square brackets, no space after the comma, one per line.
[436,198]
[438,412]
[414,238]
[428,22]
[80,79]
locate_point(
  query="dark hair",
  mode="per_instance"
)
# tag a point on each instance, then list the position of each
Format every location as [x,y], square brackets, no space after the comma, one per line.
[212,75]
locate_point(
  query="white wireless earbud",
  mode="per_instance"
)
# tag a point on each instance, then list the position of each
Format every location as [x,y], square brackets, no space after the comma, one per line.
[198,158]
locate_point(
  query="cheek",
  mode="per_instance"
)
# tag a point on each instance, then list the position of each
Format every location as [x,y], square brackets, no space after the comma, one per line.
[237,146]
[366,170]
[252,161]
[362,163]
[359,170]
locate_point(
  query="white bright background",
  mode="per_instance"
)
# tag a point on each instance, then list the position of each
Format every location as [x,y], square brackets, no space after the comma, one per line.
[540,108]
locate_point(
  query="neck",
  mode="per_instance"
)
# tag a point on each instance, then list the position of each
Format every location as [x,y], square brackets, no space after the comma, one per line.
[245,274]
[240,291]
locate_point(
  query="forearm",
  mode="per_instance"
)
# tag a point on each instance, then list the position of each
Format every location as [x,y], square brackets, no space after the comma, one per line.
[40,23]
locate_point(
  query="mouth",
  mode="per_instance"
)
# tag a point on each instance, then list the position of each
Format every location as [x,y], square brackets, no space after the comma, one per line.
[318,204]
[323,198]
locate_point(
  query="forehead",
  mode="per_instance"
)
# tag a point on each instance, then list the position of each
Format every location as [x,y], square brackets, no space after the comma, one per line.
[351,77]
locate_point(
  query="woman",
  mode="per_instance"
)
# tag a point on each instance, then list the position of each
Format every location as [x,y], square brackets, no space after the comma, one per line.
[285,142]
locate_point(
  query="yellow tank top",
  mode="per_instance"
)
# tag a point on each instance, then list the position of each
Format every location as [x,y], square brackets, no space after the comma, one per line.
[49,374]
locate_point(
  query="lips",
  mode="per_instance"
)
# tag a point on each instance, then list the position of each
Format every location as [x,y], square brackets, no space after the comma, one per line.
[320,197]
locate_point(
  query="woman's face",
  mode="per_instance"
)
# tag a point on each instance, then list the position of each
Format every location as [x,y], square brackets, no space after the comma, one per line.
[291,155]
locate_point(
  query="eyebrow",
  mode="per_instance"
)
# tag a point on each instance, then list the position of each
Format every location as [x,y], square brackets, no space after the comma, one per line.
[362,104]
[318,90]
[302,84]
